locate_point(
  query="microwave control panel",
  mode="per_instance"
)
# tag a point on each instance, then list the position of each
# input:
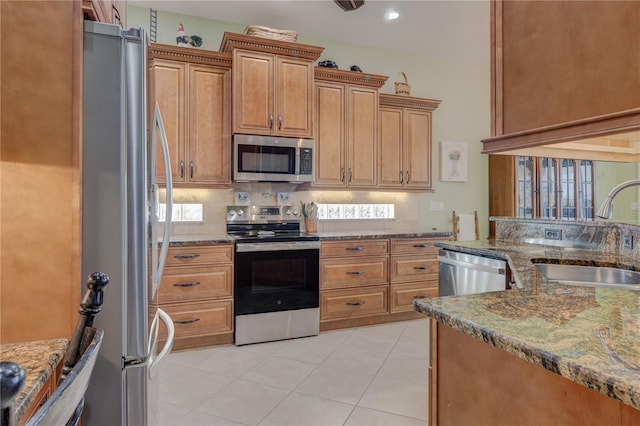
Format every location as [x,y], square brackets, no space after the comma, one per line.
[306,161]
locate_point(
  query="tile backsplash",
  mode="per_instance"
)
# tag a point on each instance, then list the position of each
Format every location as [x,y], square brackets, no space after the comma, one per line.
[214,201]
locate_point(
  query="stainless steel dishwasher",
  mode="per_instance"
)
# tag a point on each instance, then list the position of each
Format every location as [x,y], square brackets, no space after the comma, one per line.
[462,273]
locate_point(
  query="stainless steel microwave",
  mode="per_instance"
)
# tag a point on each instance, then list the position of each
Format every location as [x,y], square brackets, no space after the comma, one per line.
[272,159]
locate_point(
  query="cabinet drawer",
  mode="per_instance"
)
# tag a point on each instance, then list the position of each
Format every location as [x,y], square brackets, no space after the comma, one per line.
[354,248]
[339,273]
[199,255]
[200,318]
[415,246]
[413,268]
[353,303]
[181,284]
[402,295]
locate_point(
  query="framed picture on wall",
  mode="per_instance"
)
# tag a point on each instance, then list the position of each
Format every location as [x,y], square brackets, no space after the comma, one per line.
[453,161]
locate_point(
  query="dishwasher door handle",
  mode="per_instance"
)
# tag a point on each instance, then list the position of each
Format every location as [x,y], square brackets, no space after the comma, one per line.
[474,266]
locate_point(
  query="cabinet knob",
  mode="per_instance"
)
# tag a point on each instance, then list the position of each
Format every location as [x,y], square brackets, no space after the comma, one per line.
[191,167]
[401,177]
[270,121]
[181,169]
[342,174]
[408,176]
[279,122]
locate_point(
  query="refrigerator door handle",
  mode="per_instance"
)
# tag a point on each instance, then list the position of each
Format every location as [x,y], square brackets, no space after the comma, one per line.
[166,319]
[151,359]
[159,124]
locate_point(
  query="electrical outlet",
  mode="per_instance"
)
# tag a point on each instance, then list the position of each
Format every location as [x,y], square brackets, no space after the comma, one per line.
[553,234]
[627,242]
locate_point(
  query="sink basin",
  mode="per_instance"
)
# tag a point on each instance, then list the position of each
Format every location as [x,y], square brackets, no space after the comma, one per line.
[592,276]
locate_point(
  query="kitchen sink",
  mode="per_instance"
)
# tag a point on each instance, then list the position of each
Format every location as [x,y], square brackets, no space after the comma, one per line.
[592,276]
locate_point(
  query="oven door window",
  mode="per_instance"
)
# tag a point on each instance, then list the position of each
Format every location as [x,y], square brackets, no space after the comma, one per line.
[266,159]
[274,281]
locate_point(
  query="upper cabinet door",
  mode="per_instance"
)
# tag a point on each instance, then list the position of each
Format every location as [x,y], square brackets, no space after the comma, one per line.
[330,134]
[418,161]
[294,97]
[391,147]
[362,129]
[209,125]
[168,88]
[253,92]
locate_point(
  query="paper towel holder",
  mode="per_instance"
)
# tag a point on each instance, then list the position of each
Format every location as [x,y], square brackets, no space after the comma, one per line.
[456,225]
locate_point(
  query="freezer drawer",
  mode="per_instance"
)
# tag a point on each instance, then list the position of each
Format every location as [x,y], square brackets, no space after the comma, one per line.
[462,273]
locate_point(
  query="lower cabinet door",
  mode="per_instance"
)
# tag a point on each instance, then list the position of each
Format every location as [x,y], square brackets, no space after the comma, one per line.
[402,295]
[201,318]
[342,304]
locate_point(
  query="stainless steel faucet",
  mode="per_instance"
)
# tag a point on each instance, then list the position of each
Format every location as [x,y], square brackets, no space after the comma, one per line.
[606,208]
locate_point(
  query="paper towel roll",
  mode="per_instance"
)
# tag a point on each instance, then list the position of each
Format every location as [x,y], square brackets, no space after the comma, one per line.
[466,227]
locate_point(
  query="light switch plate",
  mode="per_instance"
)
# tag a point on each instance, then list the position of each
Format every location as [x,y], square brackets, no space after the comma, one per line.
[437,206]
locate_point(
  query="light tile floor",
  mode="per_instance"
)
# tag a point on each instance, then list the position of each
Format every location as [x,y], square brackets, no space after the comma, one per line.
[373,375]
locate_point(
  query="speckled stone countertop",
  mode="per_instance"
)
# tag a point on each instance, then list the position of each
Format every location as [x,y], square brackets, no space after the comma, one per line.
[552,325]
[208,239]
[199,239]
[39,360]
[364,235]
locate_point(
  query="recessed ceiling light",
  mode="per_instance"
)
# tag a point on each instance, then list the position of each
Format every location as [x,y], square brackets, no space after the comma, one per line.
[391,14]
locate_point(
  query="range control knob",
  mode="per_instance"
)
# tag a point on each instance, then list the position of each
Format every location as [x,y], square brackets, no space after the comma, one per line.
[296,213]
[240,213]
[231,213]
[288,212]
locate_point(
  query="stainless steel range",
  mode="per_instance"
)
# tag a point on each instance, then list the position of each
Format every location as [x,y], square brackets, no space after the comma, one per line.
[276,293]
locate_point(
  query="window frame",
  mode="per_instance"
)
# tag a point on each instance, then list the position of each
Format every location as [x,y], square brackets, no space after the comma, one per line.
[570,188]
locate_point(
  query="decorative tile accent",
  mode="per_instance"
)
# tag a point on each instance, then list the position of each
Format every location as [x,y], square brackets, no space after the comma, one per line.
[356,211]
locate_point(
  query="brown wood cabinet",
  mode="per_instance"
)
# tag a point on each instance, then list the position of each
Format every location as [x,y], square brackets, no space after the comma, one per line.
[404,142]
[364,282]
[197,293]
[346,132]
[272,86]
[193,92]
[413,271]
[272,94]
[566,71]
[40,228]
[109,11]
[472,382]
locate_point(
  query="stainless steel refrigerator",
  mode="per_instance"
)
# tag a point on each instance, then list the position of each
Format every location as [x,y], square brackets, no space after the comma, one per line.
[120,225]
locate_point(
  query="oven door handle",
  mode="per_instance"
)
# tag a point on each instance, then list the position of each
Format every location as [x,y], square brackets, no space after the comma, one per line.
[277,246]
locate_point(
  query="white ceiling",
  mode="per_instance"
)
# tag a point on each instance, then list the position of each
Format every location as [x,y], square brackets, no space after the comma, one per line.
[425,27]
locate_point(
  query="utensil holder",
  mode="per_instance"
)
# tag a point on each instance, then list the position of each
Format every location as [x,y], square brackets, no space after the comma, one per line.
[311,224]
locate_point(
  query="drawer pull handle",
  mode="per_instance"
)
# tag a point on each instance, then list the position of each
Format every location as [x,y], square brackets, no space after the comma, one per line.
[424,296]
[191,321]
[355,272]
[359,248]
[186,256]
[193,284]
[359,303]
[425,245]
[422,267]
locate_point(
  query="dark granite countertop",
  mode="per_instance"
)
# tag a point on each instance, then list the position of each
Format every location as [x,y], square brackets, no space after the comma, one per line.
[553,325]
[39,360]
